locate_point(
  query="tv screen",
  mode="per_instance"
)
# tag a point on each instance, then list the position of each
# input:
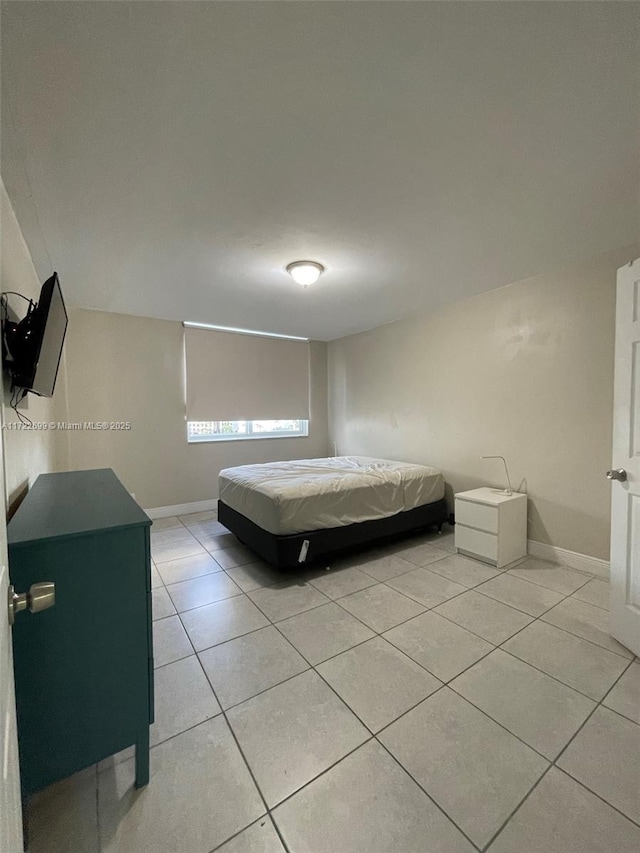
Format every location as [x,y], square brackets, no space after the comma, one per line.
[42,336]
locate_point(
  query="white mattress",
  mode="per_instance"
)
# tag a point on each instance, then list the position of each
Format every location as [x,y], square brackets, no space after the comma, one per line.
[312,494]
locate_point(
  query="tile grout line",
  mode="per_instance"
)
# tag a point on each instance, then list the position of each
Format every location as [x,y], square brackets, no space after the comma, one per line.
[562,595]
[599,796]
[424,791]
[600,704]
[306,610]
[272,823]
[306,660]
[569,633]
[558,628]
[552,677]
[266,689]
[457,595]
[217,571]
[533,666]
[279,833]
[554,764]
[310,668]
[580,637]
[469,702]
[319,775]
[532,618]
[197,607]
[446,683]
[222,642]
[238,746]
[375,736]
[155,745]
[428,609]
[513,813]
[613,710]
[340,699]
[379,634]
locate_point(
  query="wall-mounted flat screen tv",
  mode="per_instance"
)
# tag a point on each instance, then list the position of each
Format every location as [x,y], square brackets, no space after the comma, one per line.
[36,342]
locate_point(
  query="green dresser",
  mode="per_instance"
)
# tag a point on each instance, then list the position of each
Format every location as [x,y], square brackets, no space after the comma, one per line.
[84,668]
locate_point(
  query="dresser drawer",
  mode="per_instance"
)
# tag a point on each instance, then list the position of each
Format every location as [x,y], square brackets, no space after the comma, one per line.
[484,545]
[477,515]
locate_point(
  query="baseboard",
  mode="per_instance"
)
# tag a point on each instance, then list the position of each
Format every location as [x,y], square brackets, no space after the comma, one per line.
[580,562]
[182,509]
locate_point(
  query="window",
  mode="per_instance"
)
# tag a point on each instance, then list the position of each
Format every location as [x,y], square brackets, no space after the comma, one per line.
[230,374]
[233,430]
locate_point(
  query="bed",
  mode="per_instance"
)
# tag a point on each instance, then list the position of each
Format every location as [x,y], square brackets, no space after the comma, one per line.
[307,510]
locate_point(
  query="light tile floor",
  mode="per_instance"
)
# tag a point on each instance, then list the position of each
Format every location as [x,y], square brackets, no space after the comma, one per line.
[409,700]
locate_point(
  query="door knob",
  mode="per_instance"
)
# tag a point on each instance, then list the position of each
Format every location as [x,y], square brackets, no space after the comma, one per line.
[617,474]
[41,596]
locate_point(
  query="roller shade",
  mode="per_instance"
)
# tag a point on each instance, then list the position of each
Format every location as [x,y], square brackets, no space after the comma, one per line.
[235,377]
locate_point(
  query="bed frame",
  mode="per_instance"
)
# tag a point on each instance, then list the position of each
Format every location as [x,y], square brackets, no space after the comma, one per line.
[285,552]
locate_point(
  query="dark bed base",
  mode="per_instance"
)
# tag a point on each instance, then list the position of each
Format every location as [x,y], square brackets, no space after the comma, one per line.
[284,552]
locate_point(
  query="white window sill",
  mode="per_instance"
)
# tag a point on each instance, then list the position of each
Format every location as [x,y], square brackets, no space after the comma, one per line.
[216,440]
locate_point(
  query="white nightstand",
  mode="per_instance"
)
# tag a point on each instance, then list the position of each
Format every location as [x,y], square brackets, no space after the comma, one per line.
[491,526]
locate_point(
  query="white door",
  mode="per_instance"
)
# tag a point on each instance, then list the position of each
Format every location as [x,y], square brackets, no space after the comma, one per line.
[625,474]
[10,807]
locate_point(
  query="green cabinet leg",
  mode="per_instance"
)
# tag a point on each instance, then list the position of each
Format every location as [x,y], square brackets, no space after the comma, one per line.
[142,760]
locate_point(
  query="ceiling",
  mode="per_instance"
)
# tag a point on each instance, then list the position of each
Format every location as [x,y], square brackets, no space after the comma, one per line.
[170,159]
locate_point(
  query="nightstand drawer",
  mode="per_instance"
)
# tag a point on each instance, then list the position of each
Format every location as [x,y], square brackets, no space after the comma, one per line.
[476,541]
[477,515]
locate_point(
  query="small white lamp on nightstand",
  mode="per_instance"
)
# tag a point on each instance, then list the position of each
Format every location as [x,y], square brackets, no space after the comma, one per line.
[508,490]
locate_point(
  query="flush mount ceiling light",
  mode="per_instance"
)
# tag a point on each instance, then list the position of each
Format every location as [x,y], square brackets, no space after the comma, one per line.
[305,272]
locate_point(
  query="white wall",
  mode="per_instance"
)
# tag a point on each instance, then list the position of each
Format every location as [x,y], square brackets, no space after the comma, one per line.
[26,453]
[525,371]
[125,368]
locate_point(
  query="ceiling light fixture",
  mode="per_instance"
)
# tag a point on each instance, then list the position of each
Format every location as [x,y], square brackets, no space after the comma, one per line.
[305,272]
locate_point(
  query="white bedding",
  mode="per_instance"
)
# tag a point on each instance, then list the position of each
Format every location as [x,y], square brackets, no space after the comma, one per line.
[312,494]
